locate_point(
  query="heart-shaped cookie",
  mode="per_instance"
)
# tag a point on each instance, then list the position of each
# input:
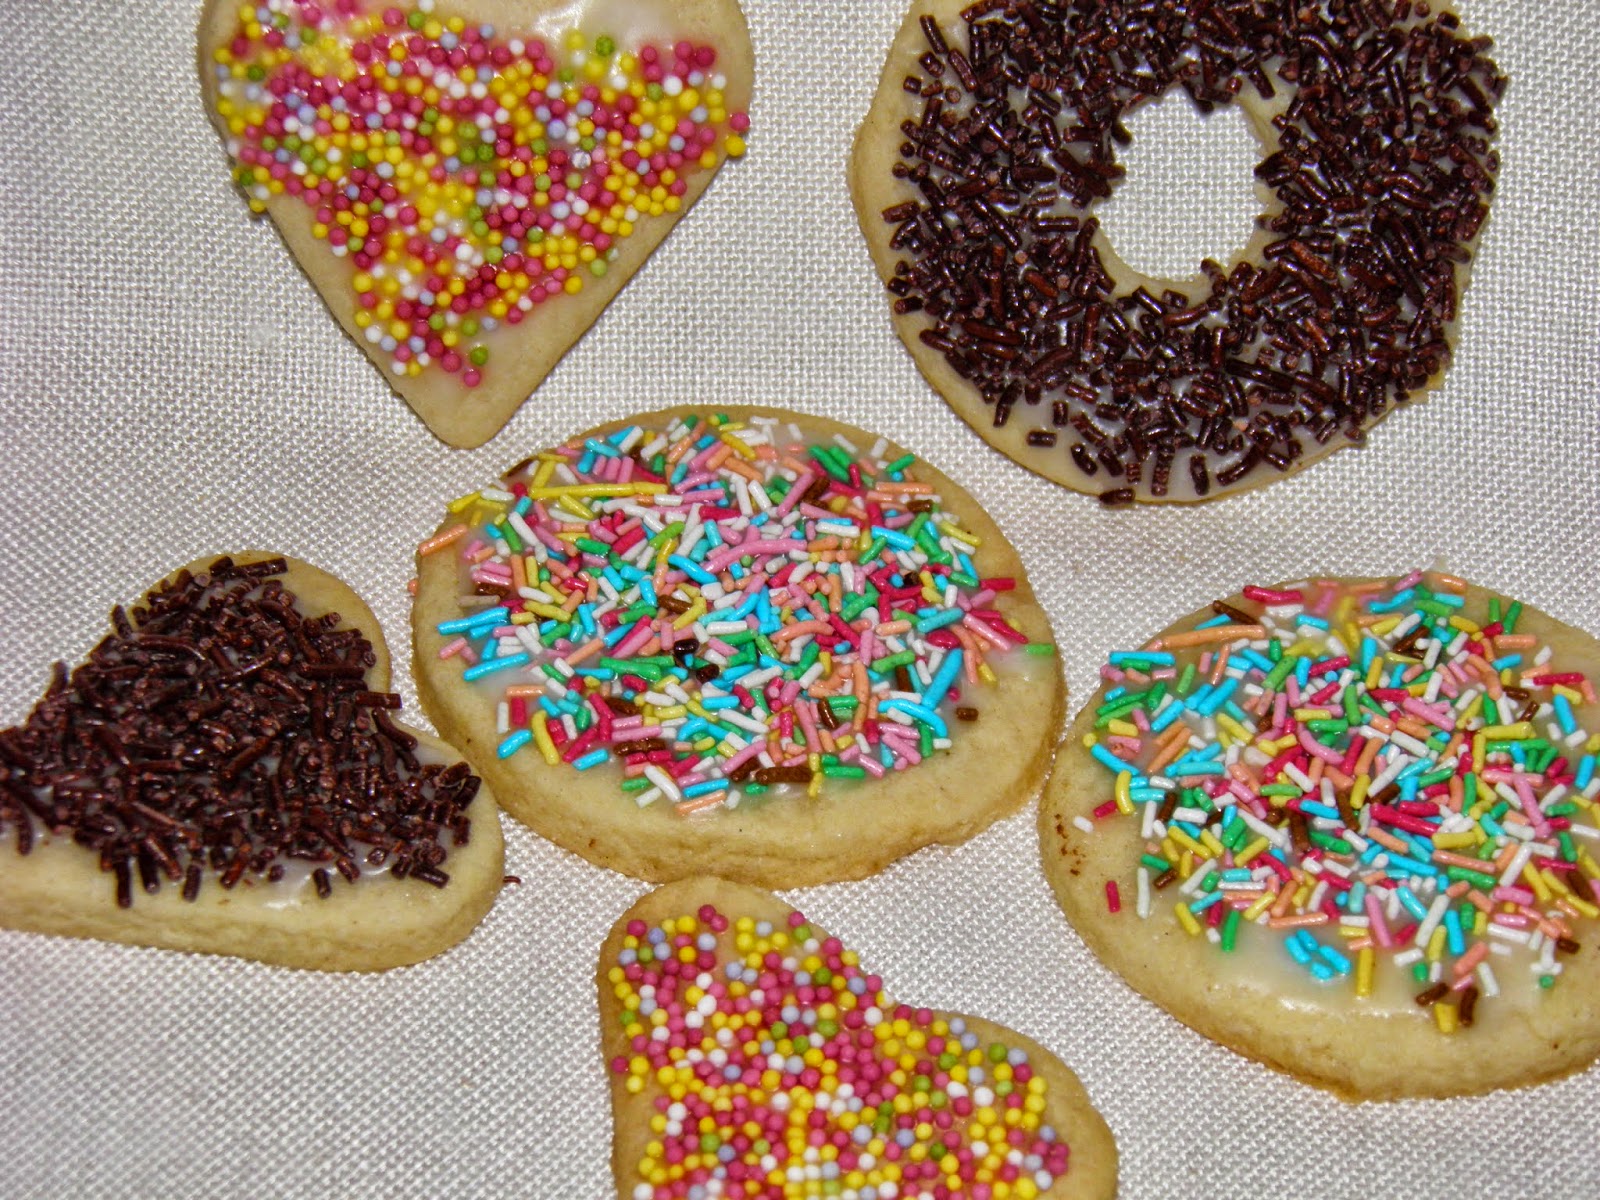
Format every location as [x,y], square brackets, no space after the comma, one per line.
[469,185]
[750,1055]
[221,775]
[744,642]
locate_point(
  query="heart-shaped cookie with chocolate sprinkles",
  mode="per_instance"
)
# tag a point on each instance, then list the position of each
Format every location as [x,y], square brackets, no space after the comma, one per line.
[468,185]
[221,774]
[751,1055]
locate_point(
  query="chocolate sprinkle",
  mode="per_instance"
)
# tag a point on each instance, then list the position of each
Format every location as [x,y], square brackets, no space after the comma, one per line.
[218,731]
[1383,170]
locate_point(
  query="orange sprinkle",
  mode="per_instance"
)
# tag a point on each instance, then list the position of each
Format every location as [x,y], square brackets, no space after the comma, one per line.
[1206,637]
[699,803]
[442,539]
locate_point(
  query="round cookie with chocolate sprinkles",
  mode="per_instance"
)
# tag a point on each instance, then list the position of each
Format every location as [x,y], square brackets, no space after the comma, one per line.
[1348,827]
[739,641]
[994,135]
[222,774]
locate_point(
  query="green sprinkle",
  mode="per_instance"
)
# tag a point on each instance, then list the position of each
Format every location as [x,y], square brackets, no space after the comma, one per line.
[1185,681]
[1040,649]
[1230,931]
[1328,842]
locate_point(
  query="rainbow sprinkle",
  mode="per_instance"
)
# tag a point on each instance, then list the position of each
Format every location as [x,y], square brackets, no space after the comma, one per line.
[467,179]
[722,607]
[1379,779]
[783,1070]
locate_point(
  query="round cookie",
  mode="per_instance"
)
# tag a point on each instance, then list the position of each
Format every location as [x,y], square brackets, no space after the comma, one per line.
[823,1055]
[1352,870]
[163,885]
[470,249]
[779,690]
[992,137]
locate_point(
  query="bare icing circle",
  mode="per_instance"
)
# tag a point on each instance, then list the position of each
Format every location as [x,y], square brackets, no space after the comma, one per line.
[1161,222]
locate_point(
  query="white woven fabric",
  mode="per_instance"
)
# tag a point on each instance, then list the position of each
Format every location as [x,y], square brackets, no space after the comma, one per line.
[170,387]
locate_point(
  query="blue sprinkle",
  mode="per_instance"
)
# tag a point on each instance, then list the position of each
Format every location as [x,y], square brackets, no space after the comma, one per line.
[492,616]
[920,713]
[1110,761]
[1452,932]
[705,788]
[1141,658]
[516,741]
[497,664]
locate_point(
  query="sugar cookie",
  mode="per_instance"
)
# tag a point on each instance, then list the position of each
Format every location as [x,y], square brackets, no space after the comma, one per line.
[793,1064]
[746,641]
[1347,827]
[222,775]
[994,135]
[469,185]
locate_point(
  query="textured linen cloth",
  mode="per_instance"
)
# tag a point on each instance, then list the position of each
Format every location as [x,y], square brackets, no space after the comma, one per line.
[169,387]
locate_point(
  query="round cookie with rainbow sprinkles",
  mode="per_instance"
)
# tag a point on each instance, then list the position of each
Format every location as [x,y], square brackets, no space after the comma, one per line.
[1348,827]
[739,641]
[469,183]
[751,1055]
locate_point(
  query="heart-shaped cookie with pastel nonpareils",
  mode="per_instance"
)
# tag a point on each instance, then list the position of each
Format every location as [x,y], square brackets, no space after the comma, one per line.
[468,185]
[222,774]
[751,1055]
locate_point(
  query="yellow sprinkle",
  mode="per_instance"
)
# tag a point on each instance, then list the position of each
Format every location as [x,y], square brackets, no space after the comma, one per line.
[606,490]
[1508,733]
[1259,907]
[1446,1017]
[575,506]
[1536,881]
[1236,730]
[541,738]
[1248,855]
[961,535]
[1364,962]
[1123,729]
[741,448]
[1375,673]
[1358,791]
[1183,839]
[1187,919]
[692,614]
[1124,800]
